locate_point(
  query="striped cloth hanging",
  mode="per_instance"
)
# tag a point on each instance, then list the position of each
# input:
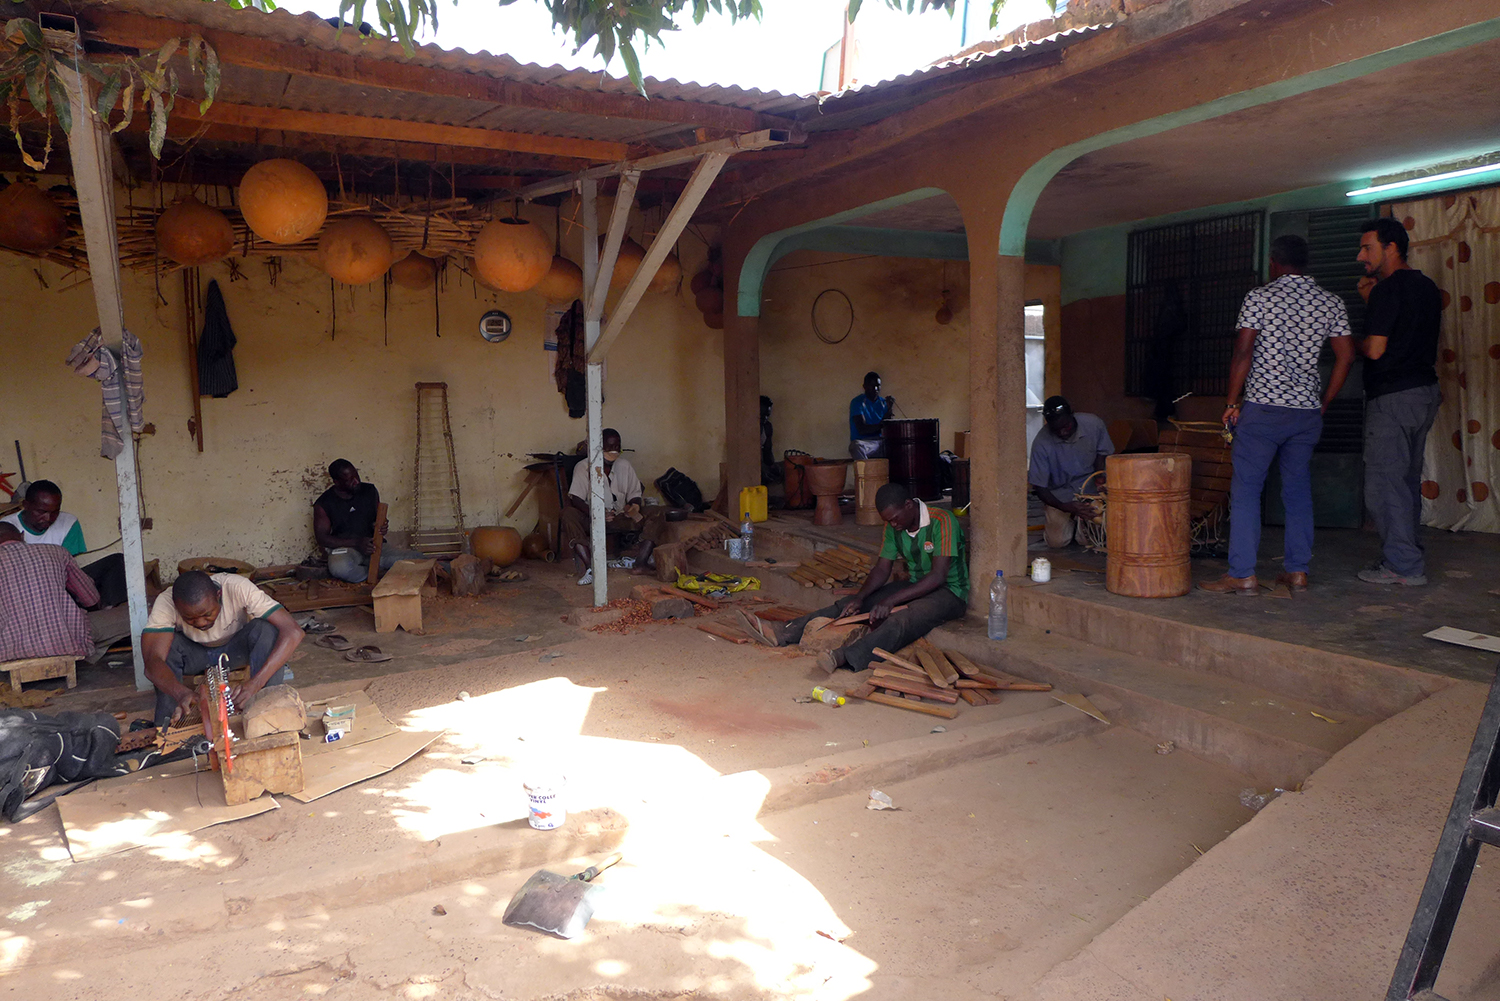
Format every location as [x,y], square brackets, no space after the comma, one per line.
[124,389]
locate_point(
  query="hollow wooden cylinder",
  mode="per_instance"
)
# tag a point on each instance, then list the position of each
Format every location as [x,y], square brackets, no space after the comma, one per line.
[826,480]
[798,496]
[869,476]
[912,447]
[1147,524]
[960,483]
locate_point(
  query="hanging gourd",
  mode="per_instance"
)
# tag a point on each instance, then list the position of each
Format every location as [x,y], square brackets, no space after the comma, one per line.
[667,276]
[563,281]
[629,261]
[283,201]
[355,251]
[512,255]
[30,220]
[194,234]
[414,272]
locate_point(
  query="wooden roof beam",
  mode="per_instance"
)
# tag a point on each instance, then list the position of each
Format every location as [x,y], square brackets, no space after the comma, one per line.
[363,127]
[143,32]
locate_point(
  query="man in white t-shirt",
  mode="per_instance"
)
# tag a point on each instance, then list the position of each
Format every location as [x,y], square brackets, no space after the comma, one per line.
[42,521]
[203,617]
[624,513]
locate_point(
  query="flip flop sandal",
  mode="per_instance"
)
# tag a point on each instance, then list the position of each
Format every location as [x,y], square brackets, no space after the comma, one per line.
[752,625]
[333,641]
[316,626]
[367,654]
[511,577]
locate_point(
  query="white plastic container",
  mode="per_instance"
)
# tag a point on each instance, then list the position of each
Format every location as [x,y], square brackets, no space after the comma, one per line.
[544,794]
[1041,570]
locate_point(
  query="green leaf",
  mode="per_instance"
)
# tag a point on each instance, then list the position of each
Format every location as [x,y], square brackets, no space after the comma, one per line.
[158,133]
[30,31]
[109,94]
[632,66]
[854,6]
[61,103]
[210,77]
[36,89]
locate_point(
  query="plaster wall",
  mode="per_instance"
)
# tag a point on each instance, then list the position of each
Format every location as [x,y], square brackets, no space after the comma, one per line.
[894,333]
[313,389]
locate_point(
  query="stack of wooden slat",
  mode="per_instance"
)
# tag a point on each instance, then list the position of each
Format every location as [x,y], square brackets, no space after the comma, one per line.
[836,567]
[929,680]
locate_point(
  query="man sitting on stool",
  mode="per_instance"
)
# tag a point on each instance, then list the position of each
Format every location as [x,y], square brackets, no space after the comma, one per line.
[42,521]
[624,514]
[204,617]
[1064,454]
[931,542]
[344,524]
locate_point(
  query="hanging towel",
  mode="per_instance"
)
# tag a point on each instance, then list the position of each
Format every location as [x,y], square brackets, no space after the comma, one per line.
[124,390]
[572,358]
[216,375]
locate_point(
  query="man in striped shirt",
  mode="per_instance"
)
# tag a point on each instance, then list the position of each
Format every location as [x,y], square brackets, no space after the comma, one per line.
[42,599]
[930,541]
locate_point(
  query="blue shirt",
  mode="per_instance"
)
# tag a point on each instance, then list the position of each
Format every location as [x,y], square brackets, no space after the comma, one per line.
[862,408]
[1061,465]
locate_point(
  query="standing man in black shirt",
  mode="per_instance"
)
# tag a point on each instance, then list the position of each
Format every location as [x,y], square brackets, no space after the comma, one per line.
[1401,392]
[344,523]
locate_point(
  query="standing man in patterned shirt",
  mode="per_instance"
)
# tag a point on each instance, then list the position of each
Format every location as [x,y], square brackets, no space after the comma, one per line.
[1282,327]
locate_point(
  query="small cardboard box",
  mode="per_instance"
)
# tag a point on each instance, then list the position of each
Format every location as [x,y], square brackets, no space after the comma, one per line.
[961,444]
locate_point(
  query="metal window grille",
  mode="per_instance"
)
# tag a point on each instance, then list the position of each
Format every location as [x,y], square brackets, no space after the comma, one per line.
[1184,286]
[1332,238]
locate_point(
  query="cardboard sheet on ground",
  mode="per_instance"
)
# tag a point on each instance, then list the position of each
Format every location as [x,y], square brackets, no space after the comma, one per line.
[159,806]
[154,808]
[1463,637]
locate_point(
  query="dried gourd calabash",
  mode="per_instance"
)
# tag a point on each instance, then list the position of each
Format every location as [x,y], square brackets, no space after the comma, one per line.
[30,220]
[414,272]
[355,251]
[630,259]
[710,300]
[667,276]
[563,282]
[500,545]
[512,255]
[282,201]
[194,234]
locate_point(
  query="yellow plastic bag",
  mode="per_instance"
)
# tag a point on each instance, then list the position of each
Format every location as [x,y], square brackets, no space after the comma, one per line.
[706,583]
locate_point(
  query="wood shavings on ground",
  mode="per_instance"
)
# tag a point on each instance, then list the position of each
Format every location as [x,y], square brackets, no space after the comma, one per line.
[637,615]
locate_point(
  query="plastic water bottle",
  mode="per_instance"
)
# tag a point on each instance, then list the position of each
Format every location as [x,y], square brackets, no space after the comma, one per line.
[997,607]
[828,698]
[747,534]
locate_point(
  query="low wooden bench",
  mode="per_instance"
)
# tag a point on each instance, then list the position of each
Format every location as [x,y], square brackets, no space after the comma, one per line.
[398,596]
[40,669]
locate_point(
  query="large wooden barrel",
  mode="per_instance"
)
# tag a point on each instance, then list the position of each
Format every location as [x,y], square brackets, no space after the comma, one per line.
[960,483]
[912,448]
[869,476]
[1146,518]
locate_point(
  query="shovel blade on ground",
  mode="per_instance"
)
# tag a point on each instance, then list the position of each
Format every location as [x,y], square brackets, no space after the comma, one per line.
[548,902]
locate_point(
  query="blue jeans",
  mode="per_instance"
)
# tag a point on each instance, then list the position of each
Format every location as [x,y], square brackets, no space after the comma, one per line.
[349,564]
[1396,427]
[1263,434]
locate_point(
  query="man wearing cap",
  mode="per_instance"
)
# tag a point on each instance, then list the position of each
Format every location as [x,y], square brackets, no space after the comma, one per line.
[1282,329]
[1065,453]
[624,514]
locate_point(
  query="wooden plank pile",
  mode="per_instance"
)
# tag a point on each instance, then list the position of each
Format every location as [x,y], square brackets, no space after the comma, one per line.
[837,567]
[929,680]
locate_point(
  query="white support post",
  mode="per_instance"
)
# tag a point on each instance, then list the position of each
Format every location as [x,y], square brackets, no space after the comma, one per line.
[614,237]
[692,196]
[595,285]
[89,147]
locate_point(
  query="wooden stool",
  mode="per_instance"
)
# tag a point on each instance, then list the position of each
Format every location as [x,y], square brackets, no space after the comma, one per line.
[40,669]
[398,596]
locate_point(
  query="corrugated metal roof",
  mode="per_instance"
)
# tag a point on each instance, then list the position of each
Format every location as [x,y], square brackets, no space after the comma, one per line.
[311,30]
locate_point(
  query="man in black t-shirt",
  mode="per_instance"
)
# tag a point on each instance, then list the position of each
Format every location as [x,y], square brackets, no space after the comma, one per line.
[1401,391]
[344,523]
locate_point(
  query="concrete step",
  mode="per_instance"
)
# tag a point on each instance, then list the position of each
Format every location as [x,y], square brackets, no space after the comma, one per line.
[1339,683]
[1264,734]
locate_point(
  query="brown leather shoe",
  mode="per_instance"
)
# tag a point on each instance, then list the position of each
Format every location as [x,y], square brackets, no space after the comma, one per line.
[1293,581]
[1247,586]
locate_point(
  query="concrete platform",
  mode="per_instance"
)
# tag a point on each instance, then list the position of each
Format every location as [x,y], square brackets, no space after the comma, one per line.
[1312,898]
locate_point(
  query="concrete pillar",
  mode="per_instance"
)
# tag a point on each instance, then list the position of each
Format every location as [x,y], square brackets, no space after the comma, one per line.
[741,401]
[997,420]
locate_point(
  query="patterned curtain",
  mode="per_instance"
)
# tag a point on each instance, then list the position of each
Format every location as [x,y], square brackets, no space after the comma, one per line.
[1456,243]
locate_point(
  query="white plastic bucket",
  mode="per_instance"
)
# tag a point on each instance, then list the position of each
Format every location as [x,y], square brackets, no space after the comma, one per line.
[1041,570]
[545,797]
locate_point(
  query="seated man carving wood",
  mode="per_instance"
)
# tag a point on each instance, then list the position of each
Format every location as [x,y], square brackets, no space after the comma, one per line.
[43,595]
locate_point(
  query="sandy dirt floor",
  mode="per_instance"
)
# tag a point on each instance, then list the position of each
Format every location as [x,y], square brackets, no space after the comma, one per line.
[991,873]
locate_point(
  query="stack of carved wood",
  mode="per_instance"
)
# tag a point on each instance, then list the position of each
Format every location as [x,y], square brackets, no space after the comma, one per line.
[924,679]
[836,567]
